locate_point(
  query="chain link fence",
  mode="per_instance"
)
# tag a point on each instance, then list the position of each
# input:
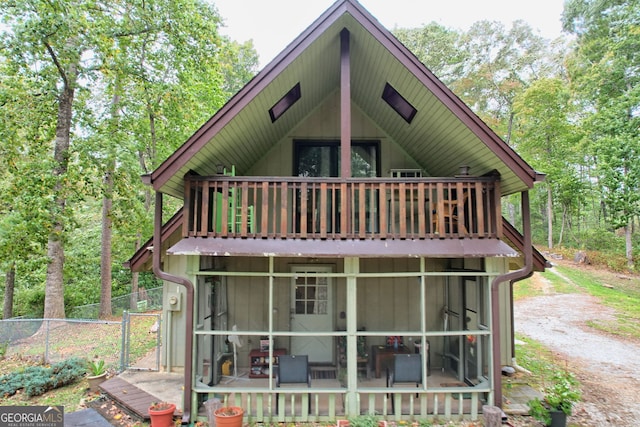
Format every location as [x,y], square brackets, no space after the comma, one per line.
[54,340]
[130,340]
[143,300]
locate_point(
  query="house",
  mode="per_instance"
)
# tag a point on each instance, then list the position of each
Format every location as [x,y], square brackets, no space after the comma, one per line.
[344,206]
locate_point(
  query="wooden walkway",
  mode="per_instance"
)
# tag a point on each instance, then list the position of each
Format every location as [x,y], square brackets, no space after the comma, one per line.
[129,397]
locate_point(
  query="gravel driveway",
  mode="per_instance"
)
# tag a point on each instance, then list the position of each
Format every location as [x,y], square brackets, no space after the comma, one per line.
[607,367]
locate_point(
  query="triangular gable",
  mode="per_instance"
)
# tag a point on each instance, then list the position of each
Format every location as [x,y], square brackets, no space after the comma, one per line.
[242,125]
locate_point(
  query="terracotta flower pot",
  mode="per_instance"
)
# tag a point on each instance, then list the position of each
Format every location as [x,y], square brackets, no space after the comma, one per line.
[162,414]
[229,416]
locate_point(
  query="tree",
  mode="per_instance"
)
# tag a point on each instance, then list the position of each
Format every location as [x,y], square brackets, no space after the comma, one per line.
[437,47]
[605,72]
[548,140]
[27,107]
[163,81]
[53,39]
[152,71]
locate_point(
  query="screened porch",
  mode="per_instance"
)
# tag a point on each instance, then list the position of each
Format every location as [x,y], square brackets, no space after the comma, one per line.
[434,312]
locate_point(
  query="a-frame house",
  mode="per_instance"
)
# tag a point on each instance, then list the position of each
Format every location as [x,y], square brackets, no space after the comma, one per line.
[343,207]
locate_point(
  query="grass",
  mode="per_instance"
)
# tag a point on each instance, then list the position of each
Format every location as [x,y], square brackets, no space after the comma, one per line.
[621,293]
[87,340]
[537,359]
[618,291]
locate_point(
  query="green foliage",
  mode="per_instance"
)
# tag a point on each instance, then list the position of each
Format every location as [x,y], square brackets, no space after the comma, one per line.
[363,421]
[167,78]
[96,367]
[539,411]
[561,395]
[36,380]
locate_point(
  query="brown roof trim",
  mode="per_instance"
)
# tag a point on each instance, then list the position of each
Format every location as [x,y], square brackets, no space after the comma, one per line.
[388,247]
[515,237]
[196,142]
[143,255]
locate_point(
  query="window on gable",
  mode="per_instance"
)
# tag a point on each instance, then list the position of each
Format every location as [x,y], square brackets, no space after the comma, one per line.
[285,103]
[322,158]
[398,103]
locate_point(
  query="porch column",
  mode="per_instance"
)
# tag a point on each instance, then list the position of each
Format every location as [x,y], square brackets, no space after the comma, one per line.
[351,269]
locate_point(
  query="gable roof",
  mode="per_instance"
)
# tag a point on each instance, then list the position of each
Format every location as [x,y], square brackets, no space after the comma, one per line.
[444,134]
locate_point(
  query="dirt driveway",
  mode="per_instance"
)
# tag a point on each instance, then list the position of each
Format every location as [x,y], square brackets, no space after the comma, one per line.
[607,367]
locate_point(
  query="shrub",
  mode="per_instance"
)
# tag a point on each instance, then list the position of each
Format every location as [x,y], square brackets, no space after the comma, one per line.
[36,380]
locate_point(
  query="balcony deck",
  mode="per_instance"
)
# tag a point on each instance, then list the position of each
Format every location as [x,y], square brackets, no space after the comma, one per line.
[338,209]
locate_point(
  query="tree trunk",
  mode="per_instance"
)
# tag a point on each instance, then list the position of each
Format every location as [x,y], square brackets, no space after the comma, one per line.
[105,257]
[107,222]
[135,280]
[54,286]
[9,286]
[550,216]
[562,225]
[628,246]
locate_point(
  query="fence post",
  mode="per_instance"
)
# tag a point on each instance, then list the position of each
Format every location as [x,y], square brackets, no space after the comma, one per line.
[46,341]
[123,364]
[158,341]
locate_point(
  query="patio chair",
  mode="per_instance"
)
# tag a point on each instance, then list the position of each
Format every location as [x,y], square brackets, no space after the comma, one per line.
[293,369]
[407,368]
[450,214]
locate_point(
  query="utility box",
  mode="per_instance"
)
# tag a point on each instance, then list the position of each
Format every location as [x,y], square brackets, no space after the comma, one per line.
[175,301]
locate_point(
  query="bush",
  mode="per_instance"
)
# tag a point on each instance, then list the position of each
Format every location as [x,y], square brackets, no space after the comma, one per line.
[37,380]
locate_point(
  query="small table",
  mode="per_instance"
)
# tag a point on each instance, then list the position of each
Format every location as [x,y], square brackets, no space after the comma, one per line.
[382,356]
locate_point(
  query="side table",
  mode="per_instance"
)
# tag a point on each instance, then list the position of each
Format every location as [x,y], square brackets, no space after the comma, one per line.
[382,356]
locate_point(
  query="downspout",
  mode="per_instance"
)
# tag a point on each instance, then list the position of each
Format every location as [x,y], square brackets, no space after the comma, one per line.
[157,249]
[510,277]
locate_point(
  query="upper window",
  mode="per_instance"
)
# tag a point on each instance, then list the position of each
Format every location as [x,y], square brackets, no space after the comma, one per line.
[322,158]
[398,103]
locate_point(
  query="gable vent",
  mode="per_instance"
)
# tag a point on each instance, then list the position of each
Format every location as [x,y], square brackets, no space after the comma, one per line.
[398,103]
[285,103]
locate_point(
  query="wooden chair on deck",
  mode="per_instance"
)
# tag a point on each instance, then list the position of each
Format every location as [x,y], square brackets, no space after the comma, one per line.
[235,211]
[449,212]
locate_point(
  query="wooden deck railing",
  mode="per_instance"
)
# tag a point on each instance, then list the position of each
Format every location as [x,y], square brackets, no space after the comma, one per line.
[334,208]
[329,404]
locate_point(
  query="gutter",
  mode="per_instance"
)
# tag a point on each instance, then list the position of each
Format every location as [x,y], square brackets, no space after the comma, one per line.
[510,277]
[157,245]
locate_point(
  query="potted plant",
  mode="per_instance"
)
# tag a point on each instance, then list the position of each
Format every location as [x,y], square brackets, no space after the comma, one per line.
[97,373]
[365,421]
[558,400]
[229,416]
[161,414]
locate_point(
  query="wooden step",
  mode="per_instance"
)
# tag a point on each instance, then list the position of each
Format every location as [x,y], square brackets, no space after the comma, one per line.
[132,399]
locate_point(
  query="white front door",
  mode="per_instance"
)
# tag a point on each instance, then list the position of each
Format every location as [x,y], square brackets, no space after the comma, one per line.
[312,311]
